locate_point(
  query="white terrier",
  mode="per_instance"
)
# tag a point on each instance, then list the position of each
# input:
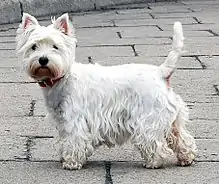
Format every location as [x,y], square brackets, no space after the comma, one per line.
[94,105]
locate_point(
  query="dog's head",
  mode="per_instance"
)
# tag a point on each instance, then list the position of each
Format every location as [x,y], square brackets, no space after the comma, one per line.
[46,52]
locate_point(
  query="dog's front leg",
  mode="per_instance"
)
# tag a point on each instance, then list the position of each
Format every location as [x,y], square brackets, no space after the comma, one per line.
[74,151]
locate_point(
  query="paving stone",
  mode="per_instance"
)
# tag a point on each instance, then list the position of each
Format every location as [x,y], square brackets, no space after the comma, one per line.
[168,15]
[168,7]
[186,27]
[10,62]
[49,173]
[17,98]
[206,111]
[193,82]
[98,53]
[7,39]
[26,126]
[157,33]
[40,108]
[210,62]
[208,150]
[99,36]
[201,173]
[113,15]
[134,11]
[12,147]
[12,6]
[7,54]
[13,74]
[201,2]
[204,7]
[208,129]
[44,149]
[193,49]
[140,22]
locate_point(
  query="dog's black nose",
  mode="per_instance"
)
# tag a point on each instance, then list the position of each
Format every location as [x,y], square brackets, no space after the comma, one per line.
[43,61]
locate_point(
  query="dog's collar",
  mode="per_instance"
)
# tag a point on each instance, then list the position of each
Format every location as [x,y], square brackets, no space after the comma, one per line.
[49,82]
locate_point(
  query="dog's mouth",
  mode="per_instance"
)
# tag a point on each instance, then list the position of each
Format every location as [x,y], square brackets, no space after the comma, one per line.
[43,72]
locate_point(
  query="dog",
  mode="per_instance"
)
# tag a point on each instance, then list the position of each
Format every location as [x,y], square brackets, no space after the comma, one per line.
[92,105]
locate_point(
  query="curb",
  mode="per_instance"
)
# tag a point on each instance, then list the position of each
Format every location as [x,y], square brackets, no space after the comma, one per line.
[11,10]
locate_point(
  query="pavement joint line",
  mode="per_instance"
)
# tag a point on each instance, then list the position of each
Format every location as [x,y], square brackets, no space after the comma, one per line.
[205,138]
[188,8]
[9,35]
[108,176]
[196,19]
[189,68]
[159,28]
[119,34]
[28,145]
[152,16]
[90,60]
[7,41]
[38,136]
[201,63]
[113,22]
[134,50]
[32,107]
[211,32]
[216,89]
[21,8]
[8,29]
[12,82]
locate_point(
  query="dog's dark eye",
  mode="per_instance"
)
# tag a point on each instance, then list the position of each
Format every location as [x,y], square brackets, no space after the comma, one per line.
[55,47]
[34,47]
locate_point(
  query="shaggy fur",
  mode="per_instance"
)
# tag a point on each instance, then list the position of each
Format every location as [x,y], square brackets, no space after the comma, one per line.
[93,105]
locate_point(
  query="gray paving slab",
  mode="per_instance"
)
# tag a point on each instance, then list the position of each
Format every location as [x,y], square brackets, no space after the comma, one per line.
[12,6]
[208,111]
[140,22]
[211,62]
[97,53]
[12,147]
[49,173]
[193,49]
[142,33]
[26,126]
[208,129]
[9,62]
[17,98]
[187,27]
[200,173]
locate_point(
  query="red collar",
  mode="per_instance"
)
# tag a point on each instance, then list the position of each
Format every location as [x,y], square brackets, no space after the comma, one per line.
[49,82]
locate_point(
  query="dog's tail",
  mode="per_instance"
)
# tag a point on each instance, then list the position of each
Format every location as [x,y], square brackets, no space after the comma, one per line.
[168,67]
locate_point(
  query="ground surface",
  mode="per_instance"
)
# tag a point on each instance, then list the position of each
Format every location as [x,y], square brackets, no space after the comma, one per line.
[142,35]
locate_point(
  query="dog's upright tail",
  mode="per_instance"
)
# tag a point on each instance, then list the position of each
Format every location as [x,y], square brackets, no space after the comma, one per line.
[168,67]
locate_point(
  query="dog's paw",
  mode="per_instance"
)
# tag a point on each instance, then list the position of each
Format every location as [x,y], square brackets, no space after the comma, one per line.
[186,160]
[154,165]
[71,165]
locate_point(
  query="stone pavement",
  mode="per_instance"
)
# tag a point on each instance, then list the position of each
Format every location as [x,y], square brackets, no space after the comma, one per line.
[141,34]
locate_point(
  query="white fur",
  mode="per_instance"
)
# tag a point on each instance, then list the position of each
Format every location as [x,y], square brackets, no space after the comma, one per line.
[94,105]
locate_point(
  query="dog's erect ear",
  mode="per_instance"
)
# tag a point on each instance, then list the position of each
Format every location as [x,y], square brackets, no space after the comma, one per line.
[28,20]
[63,24]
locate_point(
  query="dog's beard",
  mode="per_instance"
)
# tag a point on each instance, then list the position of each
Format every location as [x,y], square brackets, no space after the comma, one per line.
[44,72]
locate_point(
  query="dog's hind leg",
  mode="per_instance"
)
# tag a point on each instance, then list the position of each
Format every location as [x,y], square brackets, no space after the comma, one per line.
[155,154]
[180,140]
